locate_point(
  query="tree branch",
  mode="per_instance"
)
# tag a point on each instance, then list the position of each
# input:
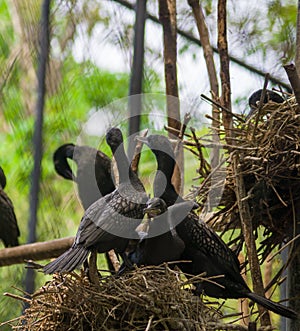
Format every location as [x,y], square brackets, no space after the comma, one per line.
[36,251]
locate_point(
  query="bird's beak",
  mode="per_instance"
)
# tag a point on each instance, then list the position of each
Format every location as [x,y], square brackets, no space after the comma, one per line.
[152,211]
[143,140]
[195,205]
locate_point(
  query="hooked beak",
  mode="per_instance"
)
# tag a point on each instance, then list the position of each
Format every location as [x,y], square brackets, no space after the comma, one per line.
[152,211]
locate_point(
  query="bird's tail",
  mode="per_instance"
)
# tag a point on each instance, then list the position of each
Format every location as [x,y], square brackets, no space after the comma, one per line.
[273,306]
[68,261]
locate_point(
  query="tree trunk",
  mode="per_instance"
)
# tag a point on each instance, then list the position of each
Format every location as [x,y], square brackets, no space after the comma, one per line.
[224,69]
[37,138]
[212,74]
[167,17]
[136,79]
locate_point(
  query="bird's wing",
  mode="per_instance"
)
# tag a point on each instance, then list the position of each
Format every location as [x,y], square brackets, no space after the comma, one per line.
[105,219]
[212,246]
[9,230]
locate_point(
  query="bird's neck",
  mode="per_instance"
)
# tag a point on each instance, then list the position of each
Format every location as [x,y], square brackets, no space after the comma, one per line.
[2,179]
[163,186]
[124,169]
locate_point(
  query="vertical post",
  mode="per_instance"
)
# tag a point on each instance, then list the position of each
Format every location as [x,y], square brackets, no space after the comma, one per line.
[38,129]
[136,79]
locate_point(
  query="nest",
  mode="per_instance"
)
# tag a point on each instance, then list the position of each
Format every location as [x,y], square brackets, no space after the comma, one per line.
[266,150]
[152,298]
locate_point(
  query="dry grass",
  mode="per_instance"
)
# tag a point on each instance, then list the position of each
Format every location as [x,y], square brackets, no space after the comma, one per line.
[152,298]
[268,150]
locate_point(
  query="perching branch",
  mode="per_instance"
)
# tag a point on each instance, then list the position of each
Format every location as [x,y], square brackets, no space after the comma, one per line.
[36,251]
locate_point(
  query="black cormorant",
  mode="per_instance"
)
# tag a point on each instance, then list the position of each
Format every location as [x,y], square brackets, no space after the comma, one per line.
[203,247]
[108,221]
[93,177]
[255,98]
[9,230]
[161,243]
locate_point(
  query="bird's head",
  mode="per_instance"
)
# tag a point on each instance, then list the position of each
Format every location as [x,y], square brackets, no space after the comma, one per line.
[61,164]
[114,138]
[270,95]
[158,144]
[155,207]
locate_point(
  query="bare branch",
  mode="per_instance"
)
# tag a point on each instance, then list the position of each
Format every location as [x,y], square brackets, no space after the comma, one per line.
[36,251]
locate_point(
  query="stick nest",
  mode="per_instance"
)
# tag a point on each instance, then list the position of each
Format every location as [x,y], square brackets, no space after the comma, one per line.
[151,298]
[267,150]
